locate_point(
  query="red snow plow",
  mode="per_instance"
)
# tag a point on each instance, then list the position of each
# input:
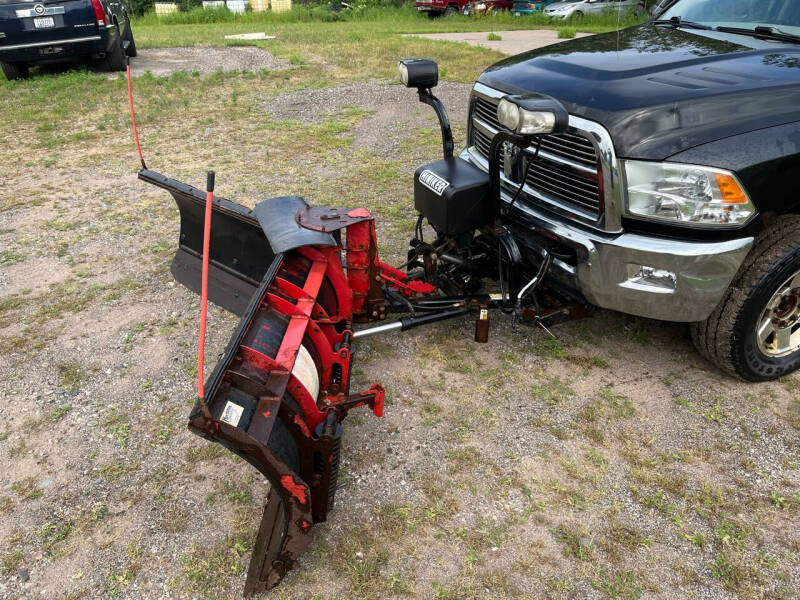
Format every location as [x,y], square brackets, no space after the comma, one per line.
[303,277]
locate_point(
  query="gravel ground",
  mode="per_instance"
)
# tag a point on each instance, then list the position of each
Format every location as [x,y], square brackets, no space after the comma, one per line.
[163,61]
[612,462]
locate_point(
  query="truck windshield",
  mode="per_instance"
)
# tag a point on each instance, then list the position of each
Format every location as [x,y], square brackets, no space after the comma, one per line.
[742,14]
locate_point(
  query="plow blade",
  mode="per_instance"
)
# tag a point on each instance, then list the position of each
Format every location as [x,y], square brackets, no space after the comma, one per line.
[278,395]
[240,253]
[263,403]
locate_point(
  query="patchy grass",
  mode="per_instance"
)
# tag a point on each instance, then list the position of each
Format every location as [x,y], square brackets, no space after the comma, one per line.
[27,489]
[71,375]
[206,568]
[9,561]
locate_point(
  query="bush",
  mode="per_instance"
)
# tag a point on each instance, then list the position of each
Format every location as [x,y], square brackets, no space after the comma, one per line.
[138,7]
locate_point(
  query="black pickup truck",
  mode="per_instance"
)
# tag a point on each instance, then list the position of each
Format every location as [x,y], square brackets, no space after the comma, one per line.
[672,193]
[50,31]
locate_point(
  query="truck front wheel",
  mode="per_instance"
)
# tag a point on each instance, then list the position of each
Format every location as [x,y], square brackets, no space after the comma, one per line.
[754,333]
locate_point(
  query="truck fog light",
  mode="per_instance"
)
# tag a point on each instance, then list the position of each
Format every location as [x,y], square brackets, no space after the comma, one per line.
[650,276]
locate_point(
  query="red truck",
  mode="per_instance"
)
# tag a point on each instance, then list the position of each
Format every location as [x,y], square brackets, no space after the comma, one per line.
[435,8]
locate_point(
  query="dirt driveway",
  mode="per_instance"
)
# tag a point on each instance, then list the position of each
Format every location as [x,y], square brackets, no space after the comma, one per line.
[510,42]
[611,462]
[163,61]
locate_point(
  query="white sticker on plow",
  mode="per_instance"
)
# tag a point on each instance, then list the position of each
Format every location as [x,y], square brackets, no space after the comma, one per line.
[433,182]
[231,414]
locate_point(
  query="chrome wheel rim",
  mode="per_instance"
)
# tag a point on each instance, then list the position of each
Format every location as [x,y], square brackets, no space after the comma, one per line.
[778,329]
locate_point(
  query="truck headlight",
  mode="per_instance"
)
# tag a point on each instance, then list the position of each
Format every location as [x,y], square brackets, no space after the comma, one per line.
[686,194]
[532,114]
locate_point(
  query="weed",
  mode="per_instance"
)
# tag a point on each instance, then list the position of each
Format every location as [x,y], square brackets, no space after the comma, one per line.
[777,500]
[574,541]
[464,459]
[206,568]
[27,488]
[553,391]
[203,452]
[550,347]
[715,414]
[430,413]
[10,257]
[596,458]
[623,585]
[567,32]
[71,375]
[53,534]
[59,412]
[6,504]
[493,37]
[118,426]
[730,568]
[9,561]
[116,579]
[637,330]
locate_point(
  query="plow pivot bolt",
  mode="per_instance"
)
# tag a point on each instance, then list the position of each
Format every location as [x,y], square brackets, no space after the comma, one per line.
[374,313]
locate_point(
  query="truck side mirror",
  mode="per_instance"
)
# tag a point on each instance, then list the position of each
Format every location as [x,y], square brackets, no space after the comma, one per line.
[420,73]
[531,115]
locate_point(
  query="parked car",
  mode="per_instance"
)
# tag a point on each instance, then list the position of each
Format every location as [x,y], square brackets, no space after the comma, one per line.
[436,8]
[486,6]
[35,33]
[528,7]
[673,193]
[565,10]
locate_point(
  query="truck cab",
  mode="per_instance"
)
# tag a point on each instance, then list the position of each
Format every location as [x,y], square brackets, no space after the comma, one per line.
[671,195]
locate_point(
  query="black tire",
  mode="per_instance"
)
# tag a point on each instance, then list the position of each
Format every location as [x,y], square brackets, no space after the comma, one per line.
[577,14]
[450,10]
[433,14]
[114,59]
[14,71]
[131,49]
[728,337]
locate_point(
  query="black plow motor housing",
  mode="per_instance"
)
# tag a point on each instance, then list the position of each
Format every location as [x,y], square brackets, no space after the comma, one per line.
[453,195]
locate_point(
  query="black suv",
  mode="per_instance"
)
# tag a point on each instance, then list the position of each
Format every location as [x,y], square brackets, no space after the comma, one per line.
[66,30]
[672,193]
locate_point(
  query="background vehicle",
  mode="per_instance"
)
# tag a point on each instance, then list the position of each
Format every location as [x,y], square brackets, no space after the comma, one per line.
[435,8]
[477,7]
[34,33]
[526,7]
[565,10]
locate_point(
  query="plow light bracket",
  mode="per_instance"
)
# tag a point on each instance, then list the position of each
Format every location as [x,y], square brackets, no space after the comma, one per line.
[423,74]
[532,114]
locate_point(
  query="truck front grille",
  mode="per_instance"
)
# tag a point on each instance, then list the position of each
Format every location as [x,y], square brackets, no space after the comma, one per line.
[565,172]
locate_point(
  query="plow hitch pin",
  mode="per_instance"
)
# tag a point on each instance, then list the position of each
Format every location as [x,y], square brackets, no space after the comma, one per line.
[482,326]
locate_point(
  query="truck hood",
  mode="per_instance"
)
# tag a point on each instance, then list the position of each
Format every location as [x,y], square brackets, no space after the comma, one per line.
[660,90]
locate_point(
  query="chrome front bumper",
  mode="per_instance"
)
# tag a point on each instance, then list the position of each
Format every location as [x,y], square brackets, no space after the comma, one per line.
[611,268]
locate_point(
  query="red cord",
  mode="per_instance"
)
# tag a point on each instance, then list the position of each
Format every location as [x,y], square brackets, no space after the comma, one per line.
[133,117]
[204,296]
